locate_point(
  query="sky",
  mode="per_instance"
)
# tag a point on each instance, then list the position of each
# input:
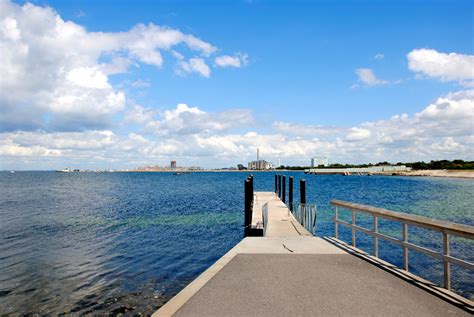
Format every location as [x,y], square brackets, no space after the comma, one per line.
[122,84]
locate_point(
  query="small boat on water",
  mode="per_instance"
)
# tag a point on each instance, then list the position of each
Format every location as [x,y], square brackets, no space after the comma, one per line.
[65,170]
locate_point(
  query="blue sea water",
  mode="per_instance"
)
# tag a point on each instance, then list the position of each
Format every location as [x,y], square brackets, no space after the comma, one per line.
[127,242]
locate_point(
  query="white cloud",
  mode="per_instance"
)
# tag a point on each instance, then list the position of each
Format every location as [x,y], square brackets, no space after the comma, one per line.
[358,134]
[139,115]
[379,56]
[56,74]
[368,78]
[88,77]
[237,61]
[443,66]
[185,120]
[443,129]
[194,65]
[16,150]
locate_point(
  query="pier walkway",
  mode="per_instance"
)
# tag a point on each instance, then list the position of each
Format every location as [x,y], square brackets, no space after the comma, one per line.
[289,272]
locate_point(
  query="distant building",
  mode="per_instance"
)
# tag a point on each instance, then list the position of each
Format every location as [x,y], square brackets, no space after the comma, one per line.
[173,165]
[316,161]
[241,167]
[260,165]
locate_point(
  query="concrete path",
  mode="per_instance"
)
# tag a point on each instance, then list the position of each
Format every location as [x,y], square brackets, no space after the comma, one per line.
[281,222]
[310,285]
[289,272]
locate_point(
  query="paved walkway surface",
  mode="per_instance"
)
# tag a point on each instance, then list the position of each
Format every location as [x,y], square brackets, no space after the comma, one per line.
[310,285]
[289,272]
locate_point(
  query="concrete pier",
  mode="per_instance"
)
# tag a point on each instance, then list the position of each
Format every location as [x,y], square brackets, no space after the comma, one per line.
[289,272]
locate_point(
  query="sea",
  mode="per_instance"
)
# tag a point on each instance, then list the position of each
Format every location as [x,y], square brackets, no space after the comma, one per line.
[126,242]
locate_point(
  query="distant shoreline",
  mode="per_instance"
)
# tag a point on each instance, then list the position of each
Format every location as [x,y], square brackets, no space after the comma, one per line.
[417,173]
[435,173]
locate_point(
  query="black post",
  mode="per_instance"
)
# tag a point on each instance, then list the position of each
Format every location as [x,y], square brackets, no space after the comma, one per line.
[290,192]
[302,192]
[283,189]
[276,186]
[247,220]
[279,185]
[251,199]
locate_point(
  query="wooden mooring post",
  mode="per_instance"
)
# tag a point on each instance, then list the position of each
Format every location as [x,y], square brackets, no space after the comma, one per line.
[248,204]
[290,192]
[283,189]
[279,186]
[303,191]
[276,183]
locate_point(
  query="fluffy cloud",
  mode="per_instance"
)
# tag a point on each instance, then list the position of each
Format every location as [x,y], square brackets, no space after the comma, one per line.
[56,74]
[194,65]
[185,120]
[358,134]
[368,78]
[443,129]
[446,67]
[237,61]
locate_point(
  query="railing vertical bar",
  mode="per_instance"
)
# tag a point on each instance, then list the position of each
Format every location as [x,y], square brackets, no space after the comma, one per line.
[405,248]
[376,238]
[336,232]
[353,229]
[447,265]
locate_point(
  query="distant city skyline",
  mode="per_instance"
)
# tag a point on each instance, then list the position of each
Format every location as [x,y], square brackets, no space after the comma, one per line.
[104,85]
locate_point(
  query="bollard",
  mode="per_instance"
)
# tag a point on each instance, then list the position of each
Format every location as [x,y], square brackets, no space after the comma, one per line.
[290,192]
[283,189]
[276,187]
[279,186]
[302,192]
[248,205]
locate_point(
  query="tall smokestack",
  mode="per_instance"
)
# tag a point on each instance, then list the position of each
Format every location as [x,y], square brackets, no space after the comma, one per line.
[257,155]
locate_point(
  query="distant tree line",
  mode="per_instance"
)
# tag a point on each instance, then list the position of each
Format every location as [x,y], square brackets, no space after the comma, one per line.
[433,165]
[443,164]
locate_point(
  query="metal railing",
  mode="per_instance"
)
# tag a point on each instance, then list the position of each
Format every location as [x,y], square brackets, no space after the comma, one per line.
[445,227]
[306,216]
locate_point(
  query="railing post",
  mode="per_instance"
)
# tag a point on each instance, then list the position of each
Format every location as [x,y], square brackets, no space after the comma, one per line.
[405,248]
[353,229]
[302,191]
[283,189]
[336,232]
[447,265]
[290,192]
[376,238]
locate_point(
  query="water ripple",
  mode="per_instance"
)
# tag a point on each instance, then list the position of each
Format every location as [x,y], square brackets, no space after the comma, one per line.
[110,243]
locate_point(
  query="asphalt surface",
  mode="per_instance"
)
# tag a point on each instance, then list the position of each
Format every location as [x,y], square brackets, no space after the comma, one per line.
[311,285]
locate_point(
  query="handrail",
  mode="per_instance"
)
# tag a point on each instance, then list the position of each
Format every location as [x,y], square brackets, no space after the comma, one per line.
[445,227]
[435,224]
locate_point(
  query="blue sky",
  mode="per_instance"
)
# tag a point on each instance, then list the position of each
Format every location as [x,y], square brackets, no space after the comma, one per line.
[334,65]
